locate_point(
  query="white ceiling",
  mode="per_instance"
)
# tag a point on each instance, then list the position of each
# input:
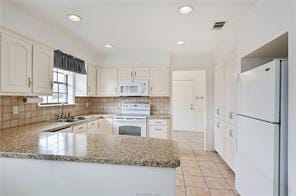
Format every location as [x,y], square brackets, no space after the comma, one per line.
[142,25]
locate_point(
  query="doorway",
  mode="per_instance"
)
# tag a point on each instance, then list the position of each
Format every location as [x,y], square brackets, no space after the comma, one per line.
[188,101]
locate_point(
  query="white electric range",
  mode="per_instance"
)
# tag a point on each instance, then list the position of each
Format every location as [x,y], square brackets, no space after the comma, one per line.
[132,120]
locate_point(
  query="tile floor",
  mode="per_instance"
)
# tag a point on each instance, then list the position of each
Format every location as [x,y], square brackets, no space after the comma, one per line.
[201,173]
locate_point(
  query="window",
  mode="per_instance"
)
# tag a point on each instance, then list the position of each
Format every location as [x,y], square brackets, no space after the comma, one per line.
[62,88]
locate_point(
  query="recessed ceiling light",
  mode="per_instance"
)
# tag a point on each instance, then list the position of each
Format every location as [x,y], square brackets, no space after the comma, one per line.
[74,17]
[108,46]
[180,42]
[186,9]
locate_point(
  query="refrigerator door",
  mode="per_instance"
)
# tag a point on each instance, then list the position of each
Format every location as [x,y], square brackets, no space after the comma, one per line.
[257,160]
[259,92]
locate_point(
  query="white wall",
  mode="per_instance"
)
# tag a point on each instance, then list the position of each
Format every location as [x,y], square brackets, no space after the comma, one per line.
[44,31]
[267,20]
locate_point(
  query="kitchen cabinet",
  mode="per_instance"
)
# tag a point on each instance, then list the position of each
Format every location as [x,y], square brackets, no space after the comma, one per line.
[81,128]
[219,136]
[125,74]
[158,128]
[91,80]
[42,70]
[16,64]
[133,73]
[229,145]
[92,126]
[105,126]
[159,81]
[219,91]
[26,66]
[107,82]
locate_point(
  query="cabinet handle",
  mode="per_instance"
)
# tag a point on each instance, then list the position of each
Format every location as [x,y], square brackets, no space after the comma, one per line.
[218,111]
[88,89]
[80,128]
[230,132]
[135,74]
[158,129]
[230,115]
[151,88]
[131,74]
[29,82]
[51,84]
[218,125]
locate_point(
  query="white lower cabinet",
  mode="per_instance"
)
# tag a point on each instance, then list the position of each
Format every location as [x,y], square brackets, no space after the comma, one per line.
[158,128]
[224,141]
[81,128]
[105,126]
[92,127]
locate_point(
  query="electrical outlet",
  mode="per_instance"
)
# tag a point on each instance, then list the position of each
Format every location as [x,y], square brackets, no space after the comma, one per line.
[15,110]
[86,104]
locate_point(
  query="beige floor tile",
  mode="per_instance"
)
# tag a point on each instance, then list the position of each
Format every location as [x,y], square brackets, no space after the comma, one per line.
[195,181]
[180,191]
[194,191]
[179,180]
[211,172]
[231,183]
[189,163]
[217,183]
[179,170]
[227,173]
[192,171]
[203,157]
[215,192]
[187,157]
[185,152]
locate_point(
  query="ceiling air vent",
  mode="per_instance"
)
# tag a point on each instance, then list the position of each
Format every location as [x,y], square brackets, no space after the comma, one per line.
[219,25]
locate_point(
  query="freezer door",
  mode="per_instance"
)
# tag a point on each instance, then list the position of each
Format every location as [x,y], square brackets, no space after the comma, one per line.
[260,92]
[257,161]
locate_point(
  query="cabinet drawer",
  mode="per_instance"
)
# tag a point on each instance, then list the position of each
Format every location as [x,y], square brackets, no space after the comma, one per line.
[79,128]
[92,127]
[158,132]
[162,122]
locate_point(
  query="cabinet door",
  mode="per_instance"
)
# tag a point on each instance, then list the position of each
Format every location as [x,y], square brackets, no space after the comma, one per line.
[219,91]
[42,70]
[230,82]
[107,82]
[219,137]
[16,65]
[159,81]
[141,74]
[125,74]
[91,80]
[229,146]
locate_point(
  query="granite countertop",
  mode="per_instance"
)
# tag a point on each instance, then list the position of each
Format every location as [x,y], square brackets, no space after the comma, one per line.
[30,142]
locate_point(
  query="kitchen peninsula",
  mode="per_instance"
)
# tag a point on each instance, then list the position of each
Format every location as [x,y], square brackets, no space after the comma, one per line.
[48,163]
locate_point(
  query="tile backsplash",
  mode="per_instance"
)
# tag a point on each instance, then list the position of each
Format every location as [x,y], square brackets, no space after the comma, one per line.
[159,105]
[32,113]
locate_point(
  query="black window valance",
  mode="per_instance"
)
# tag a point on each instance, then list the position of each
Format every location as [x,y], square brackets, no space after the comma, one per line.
[68,62]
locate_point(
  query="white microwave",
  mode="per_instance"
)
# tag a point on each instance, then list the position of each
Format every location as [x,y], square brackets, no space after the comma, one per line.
[133,88]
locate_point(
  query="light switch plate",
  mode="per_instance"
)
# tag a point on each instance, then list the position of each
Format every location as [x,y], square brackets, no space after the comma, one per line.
[15,110]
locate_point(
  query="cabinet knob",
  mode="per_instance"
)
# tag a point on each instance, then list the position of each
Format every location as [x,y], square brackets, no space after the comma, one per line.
[230,132]
[218,125]
[230,115]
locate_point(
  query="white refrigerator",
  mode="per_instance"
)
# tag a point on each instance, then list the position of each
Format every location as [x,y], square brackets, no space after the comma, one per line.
[261,159]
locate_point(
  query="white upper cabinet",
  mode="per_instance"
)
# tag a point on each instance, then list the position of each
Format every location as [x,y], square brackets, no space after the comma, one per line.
[42,70]
[159,81]
[16,65]
[125,74]
[133,74]
[141,74]
[107,82]
[91,80]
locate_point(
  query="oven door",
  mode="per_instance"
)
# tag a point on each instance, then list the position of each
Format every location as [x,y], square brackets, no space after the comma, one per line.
[130,126]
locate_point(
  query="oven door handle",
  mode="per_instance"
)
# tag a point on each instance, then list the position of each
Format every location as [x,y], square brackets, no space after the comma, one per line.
[129,120]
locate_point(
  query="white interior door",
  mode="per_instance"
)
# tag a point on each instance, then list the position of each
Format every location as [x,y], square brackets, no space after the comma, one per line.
[183,106]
